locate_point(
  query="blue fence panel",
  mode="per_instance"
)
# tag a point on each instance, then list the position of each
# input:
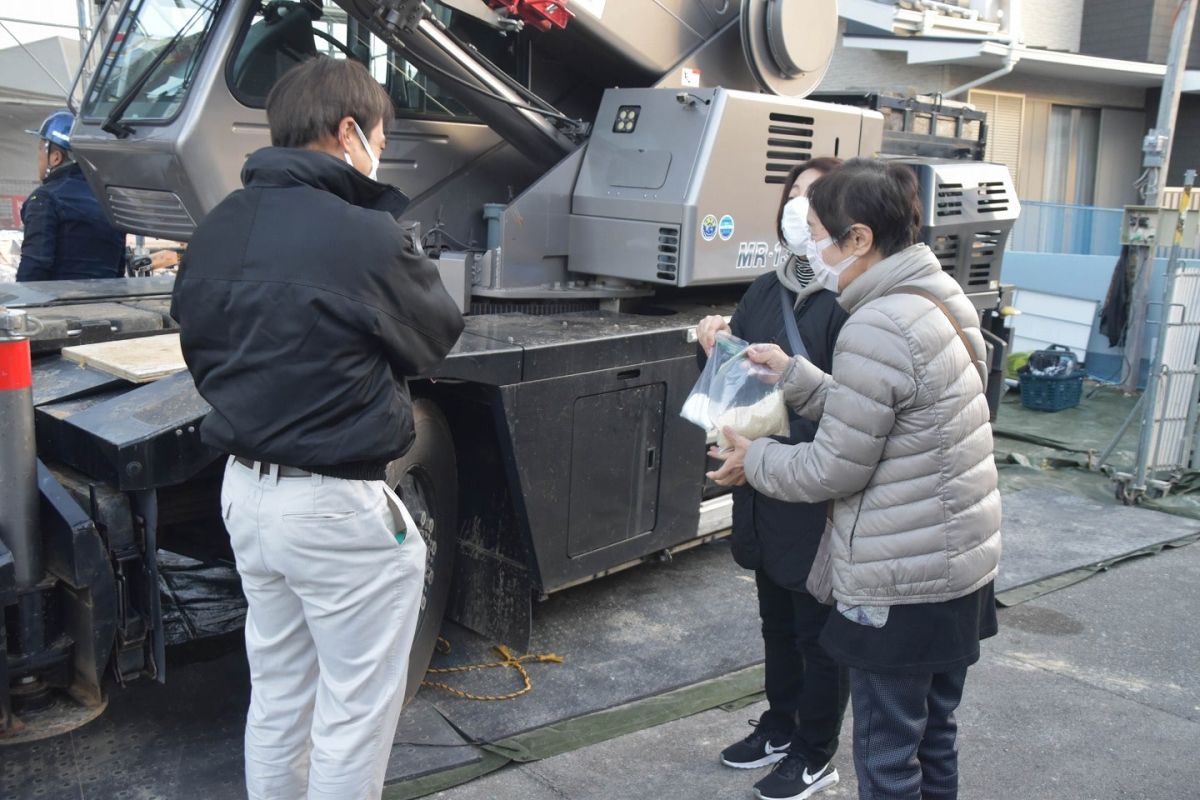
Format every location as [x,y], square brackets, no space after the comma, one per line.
[1067,229]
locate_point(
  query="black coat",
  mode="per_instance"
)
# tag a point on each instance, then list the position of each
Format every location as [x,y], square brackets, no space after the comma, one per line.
[303,307]
[778,537]
[1114,316]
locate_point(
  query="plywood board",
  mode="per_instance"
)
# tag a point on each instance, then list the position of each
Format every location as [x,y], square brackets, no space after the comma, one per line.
[137,360]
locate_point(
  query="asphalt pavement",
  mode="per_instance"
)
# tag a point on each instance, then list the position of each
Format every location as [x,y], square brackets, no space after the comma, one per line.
[1088,693]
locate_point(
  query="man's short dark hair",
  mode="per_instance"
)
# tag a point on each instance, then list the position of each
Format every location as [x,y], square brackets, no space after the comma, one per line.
[311,98]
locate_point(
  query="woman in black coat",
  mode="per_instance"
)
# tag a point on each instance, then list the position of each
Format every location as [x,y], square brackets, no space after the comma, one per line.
[806,690]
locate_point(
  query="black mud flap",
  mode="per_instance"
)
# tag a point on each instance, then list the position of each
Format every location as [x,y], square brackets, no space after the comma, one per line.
[76,555]
[129,522]
[492,596]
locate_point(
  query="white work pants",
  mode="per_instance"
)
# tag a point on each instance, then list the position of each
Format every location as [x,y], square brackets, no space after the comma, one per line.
[333,602]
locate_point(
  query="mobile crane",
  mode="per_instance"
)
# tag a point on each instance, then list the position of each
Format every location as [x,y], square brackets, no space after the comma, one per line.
[583,237]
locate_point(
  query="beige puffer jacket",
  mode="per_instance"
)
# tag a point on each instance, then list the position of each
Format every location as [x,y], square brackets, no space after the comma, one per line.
[904,446]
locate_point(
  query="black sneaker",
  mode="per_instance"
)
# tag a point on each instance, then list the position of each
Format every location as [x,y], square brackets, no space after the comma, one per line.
[793,780]
[761,748]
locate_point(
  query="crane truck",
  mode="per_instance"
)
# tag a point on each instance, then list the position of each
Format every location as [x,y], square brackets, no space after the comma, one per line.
[590,178]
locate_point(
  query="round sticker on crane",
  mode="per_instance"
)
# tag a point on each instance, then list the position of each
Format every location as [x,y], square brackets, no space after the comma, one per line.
[708,227]
[725,228]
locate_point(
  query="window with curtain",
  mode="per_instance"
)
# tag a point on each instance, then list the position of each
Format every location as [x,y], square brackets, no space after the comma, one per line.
[1072,147]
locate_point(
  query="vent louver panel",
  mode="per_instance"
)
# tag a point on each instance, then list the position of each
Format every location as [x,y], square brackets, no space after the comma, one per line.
[667,268]
[993,197]
[985,246]
[150,211]
[945,249]
[789,142]
[949,200]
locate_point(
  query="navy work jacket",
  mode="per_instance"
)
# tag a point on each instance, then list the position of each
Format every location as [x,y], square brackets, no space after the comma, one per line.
[67,236]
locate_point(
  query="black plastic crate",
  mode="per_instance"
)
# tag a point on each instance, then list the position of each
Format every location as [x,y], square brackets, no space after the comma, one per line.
[1052,392]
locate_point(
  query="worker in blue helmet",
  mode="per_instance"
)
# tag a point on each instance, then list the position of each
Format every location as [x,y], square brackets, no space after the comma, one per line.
[67,236]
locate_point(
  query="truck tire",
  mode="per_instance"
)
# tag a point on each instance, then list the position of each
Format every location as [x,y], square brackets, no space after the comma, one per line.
[426,478]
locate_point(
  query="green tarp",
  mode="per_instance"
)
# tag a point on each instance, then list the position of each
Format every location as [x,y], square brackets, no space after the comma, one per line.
[1038,448]
[1060,450]
[733,689]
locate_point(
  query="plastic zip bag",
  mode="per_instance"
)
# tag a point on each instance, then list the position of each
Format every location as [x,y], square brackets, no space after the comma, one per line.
[732,391]
[695,408]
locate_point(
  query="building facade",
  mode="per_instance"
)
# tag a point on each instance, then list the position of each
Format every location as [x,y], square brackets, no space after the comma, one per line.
[1071,88]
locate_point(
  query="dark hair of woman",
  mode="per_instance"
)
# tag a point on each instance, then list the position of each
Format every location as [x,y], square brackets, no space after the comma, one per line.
[824,165]
[881,195]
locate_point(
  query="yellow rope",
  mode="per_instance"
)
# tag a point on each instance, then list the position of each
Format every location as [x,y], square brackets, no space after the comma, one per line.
[507,659]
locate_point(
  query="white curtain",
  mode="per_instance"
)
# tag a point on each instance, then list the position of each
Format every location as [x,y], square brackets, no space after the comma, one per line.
[1072,144]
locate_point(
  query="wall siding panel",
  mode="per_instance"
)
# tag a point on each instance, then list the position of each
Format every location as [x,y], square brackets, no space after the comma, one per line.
[1052,24]
[1119,160]
[1117,28]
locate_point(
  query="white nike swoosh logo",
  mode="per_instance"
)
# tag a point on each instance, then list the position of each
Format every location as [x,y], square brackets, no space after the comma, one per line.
[809,779]
[771,749]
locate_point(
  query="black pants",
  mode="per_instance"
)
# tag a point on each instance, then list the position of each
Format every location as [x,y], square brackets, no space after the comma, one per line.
[806,690]
[904,734]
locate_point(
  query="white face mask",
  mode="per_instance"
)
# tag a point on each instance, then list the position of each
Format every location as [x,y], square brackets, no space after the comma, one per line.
[374,173]
[827,274]
[794,225]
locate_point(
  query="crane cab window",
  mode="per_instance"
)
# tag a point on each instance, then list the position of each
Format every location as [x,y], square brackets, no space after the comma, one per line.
[280,34]
[153,54]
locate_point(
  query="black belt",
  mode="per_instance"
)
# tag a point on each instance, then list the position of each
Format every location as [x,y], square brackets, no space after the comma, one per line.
[264,468]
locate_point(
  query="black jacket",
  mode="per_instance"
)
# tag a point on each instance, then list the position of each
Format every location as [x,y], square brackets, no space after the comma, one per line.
[1114,316]
[778,537]
[303,306]
[67,236]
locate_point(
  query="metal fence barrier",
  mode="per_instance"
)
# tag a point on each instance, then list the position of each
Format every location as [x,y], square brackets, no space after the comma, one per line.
[13,192]
[1067,229]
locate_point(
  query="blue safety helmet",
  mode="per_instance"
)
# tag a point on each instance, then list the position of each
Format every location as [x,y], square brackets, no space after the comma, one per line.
[56,129]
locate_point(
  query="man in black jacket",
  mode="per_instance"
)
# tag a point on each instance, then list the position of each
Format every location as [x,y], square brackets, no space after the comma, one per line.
[303,308]
[806,691]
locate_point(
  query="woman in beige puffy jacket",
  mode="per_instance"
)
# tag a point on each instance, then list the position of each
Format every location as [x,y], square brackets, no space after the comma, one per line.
[904,449]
